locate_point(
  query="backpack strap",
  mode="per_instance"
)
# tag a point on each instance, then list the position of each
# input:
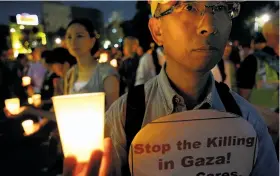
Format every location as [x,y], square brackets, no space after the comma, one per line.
[227,98]
[156,62]
[135,110]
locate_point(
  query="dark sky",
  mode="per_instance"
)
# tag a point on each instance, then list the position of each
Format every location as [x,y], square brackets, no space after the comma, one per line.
[127,8]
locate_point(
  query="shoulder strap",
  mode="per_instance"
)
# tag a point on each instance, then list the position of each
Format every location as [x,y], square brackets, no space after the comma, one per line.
[227,99]
[135,110]
[155,61]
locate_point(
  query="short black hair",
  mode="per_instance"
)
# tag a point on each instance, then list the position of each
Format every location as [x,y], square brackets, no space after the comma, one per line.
[21,56]
[259,38]
[46,54]
[60,55]
[88,25]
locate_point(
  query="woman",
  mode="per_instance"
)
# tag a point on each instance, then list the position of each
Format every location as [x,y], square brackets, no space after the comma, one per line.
[87,75]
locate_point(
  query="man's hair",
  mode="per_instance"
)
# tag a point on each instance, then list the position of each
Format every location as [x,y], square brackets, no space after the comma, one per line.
[46,54]
[60,55]
[132,39]
[21,56]
[259,38]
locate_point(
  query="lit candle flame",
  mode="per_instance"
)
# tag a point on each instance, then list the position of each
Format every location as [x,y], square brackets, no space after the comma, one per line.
[28,126]
[26,81]
[13,105]
[36,98]
[103,58]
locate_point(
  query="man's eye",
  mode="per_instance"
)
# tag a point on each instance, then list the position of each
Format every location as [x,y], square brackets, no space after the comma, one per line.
[219,8]
[189,7]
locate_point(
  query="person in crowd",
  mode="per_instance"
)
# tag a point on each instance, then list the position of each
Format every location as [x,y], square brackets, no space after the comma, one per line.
[128,67]
[235,57]
[88,75]
[224,71]
[19,70]
[60,62]
[116,53]
[22,65]
[140,51]
[47,90]
[149,65]
[271,32]
[246,74]
[245,51]
[37,70]
[5,87]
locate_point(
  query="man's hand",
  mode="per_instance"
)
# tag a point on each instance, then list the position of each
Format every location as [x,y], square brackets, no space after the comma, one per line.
[99,164]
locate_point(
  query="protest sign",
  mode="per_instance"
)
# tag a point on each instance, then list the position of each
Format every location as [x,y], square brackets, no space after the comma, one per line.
[194,143]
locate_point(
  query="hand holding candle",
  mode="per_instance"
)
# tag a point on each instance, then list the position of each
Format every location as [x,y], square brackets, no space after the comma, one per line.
[26,81]
[80,120]
[12,105]
[99,164]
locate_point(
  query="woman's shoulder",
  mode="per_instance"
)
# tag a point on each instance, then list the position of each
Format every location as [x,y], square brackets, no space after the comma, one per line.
[106,70]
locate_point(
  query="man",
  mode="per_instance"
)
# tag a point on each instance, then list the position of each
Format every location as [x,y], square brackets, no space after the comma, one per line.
[129,65]
[253,66]
[149,65]
[19,70]
[37,70]
[194,37]
[271,32]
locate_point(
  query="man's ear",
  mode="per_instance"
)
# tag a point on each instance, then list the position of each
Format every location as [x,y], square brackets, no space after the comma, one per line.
[154,26]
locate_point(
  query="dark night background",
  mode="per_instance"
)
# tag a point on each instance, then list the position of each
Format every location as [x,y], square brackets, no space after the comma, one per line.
[136,15]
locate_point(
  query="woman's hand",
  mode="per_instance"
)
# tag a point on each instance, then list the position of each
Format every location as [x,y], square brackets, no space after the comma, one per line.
[99,164]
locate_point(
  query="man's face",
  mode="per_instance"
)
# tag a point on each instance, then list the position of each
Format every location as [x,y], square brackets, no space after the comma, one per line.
[195,41]
[36,54]
[57,68]
[24,61]
[129,47]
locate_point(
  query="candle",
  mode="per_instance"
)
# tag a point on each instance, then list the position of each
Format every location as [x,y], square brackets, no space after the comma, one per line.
[103,58]
[26,81]
[13,105]
[30,100]
[28,126]
[36,98]
[114,62]
[80,120]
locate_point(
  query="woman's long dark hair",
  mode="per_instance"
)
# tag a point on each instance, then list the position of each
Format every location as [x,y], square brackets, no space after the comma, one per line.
[90,29]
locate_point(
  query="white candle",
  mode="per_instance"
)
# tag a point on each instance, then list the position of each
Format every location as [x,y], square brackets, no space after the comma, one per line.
[13,105]
[36,98]
[103,58]
[114,62]
[26,81]
[28,126]
[30,100]
[80,120]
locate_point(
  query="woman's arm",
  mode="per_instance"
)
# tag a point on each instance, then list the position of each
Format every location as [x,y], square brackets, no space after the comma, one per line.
[111,88]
